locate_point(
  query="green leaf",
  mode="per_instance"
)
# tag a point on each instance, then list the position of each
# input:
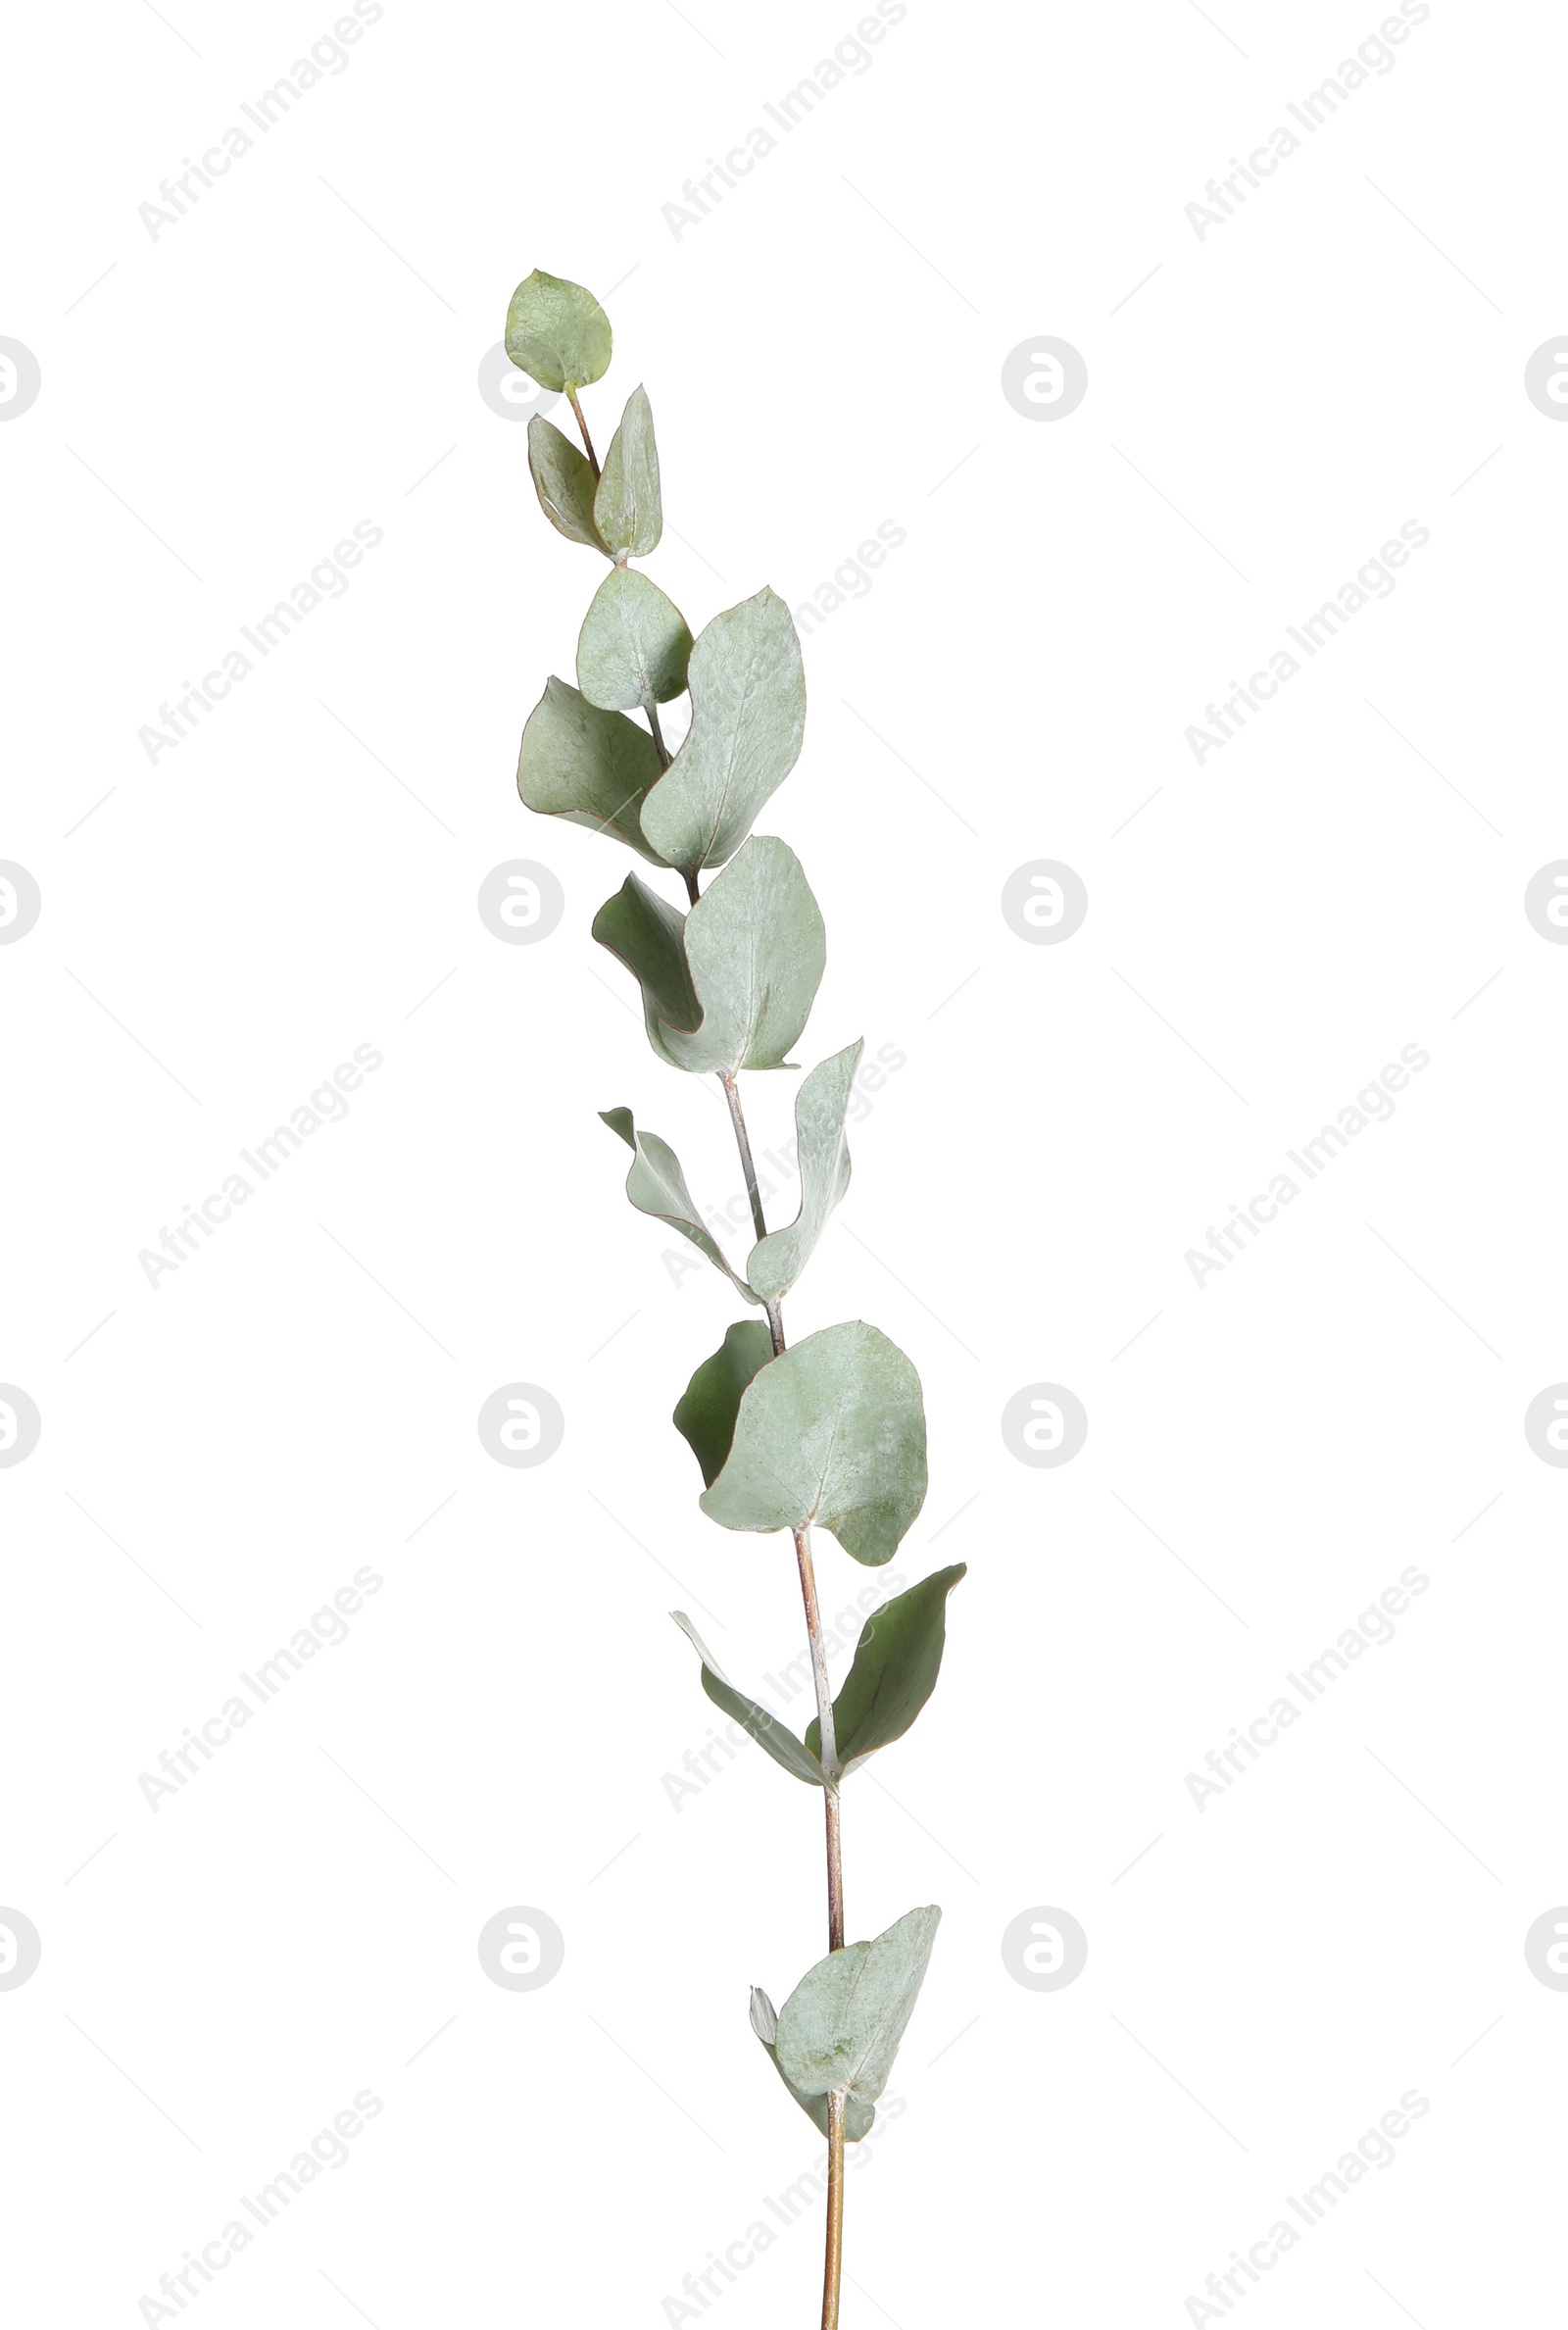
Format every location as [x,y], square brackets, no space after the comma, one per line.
[823,1158]
[563,482]
[841,2025]
[897,1662]
[647,933]
[756,945]
[779,1741]
[591,767]
[834,1432]
[633,646]
[558,333]
[859,2117]
[628,507]
[748,689]
[705,1413]
[730,985]
[656,1185]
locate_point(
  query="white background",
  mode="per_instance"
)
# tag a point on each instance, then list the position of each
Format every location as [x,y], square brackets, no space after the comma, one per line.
[220,929]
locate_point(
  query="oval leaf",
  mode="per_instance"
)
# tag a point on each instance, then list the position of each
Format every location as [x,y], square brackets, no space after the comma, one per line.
[897,1662]
[628,507]
[778,1738]
[556,332]
[756,945]
[591,767]
[633,646]
[859,2117]
[705,1413]
[730,985]
[748,689]
[564,482]
[647,933]
[833,1431]
[656,1185]
[822,1157]
[841,2025]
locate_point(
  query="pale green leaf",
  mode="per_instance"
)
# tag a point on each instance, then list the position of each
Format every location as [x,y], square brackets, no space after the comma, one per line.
[757,947]
[591,767]
[897,1662]
[705,1413]
[628,507]
[841,2025]
[656,1185]
[822,1160]
[776,1737]
[556,332]
[749,957]
[647,933]
[747,691]
[859,2117]
[633,646]
[831,1432]
[564,482]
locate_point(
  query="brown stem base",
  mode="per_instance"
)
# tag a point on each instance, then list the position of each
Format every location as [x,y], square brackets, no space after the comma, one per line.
[833,2264]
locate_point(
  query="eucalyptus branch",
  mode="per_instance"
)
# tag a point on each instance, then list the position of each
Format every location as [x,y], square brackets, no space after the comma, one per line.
[829,1434]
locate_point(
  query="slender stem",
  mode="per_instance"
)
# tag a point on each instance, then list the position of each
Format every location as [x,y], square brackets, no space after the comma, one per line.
[829,1756]
[833,2263]
[827,1741]
[749,1168]
[663,761]
[587,441]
